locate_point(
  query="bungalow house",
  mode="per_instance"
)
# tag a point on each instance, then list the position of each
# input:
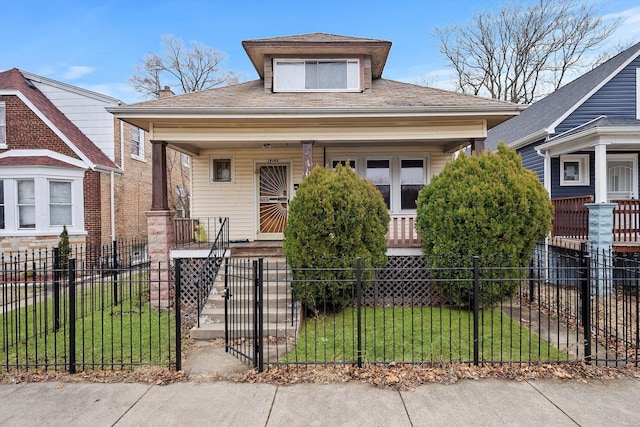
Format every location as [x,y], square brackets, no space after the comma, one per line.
[320,100]
[583,142]
[64,160]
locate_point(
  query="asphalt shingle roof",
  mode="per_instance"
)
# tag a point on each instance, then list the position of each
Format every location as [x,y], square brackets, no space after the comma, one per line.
[14,80]
[384,94]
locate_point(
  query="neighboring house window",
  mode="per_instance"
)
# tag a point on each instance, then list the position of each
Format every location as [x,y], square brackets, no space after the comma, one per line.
[1,205]
[40,200]
[60,207]
[379,173]
[26,203]
[3,125]
[137,143]
[221,170]
[316,75]
[574,169]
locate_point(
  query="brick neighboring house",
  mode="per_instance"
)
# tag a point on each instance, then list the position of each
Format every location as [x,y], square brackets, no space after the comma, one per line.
[64,160]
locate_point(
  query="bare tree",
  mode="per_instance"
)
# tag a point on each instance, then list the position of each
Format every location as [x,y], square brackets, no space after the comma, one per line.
[524,50]
[184,69]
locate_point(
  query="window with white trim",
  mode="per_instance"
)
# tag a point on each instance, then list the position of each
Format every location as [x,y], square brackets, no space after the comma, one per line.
[399,178]
[40,200]
[411,182]
[295,75]
[60,212]
[3,125]
[574,169]
[1,204]
[26,203]
[379,173]
[137,143]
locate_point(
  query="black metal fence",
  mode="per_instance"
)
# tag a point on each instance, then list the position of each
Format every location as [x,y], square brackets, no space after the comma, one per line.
[564,306]
[91,308]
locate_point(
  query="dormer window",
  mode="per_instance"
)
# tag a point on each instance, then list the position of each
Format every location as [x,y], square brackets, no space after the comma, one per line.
[316,75]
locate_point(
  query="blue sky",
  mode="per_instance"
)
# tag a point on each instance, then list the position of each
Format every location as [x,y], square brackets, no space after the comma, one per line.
[96,44]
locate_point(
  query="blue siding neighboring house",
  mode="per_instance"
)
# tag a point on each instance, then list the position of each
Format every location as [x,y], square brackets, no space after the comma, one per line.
[593,120]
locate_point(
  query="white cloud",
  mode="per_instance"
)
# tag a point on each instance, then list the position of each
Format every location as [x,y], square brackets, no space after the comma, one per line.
[76,71]
[121,91]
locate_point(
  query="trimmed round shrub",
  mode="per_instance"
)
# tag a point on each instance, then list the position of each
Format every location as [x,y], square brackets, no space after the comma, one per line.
[335,217]
[488,206]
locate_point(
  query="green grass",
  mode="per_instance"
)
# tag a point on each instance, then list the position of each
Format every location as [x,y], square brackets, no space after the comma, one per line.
[107,334]
[428,334]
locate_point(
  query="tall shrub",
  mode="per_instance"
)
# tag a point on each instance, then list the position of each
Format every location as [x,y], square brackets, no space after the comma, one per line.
[335,217]
[487,205]
[64,249]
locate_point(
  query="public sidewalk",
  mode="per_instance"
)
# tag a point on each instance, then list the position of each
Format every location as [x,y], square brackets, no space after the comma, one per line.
[467,402]
[543,402]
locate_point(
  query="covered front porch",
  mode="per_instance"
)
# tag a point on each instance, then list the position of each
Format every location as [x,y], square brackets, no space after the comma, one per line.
[571,222]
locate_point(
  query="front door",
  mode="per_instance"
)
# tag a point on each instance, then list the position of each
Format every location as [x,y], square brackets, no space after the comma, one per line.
[273,200]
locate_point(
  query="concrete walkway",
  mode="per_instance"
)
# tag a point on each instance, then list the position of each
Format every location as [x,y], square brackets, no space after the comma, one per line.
[483,402]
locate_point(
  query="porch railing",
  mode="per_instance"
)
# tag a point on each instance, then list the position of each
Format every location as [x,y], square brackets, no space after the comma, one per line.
[626,221]
[402,232]
[199,232]
[571,217]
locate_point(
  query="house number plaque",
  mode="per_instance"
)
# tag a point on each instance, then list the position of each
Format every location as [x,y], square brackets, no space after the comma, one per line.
[274,160]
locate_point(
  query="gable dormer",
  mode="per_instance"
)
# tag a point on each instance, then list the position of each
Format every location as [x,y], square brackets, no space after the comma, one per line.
[317,62]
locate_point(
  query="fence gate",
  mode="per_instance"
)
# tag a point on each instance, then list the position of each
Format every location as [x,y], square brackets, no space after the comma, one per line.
[243,310]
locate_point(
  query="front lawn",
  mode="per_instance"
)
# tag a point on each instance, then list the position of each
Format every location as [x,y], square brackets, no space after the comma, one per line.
[107,335]
[417,334]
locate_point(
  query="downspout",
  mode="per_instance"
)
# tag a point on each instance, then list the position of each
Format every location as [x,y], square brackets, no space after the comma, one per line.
[113,204]
[547,169]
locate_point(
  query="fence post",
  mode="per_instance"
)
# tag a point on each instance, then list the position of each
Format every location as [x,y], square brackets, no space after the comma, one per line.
[72,315]
[585,299]
[476,310]
[56,288]
[178,303]
[532,287]
[226,296]
[258,293]
[359,307]
[114,271]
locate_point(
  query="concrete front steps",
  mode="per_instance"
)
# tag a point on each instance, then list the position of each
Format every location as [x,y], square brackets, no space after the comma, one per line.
[278,312]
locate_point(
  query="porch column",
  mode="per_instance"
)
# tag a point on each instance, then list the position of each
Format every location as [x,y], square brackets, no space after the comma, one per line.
[601,242]
[601,172]
[160,230]
[477,146]
[159,200]
[307,157]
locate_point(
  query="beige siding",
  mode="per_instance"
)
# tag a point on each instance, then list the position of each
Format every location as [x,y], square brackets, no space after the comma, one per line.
[237,199]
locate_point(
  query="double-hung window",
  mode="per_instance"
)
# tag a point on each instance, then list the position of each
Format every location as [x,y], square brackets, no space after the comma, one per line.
[412,179]
[26,203]
[379,173]
[291,75]
[3,125]
[60,212]
[137,143]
